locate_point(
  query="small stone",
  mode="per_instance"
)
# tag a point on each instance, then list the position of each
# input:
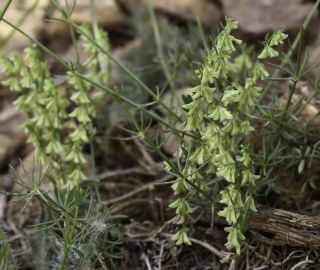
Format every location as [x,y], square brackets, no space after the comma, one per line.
[262,16]
[207,11]
[109,15]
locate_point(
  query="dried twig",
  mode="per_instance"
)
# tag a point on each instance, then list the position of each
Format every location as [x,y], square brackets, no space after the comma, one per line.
[123,172]
[138,190]
[207,246]
[300,264]
[145,258]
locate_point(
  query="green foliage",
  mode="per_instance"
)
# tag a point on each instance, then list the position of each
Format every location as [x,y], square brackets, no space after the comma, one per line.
[73,232]
[98,64]
[6,259]
[47,108]
[217,114]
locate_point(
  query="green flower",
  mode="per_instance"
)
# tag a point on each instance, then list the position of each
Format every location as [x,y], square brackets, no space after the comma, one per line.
[268,52]
[249,203]
[80,97]
[228,172]
[181,237]
[259,72]
[182,206]
[54,147]
[76,156]
[277,38]
[219,113]
[79,135]
[76,175]
[234,238]
[249,178]
[230,96]
[81,114]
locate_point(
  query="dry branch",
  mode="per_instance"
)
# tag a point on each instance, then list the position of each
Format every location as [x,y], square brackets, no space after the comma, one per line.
[281,227]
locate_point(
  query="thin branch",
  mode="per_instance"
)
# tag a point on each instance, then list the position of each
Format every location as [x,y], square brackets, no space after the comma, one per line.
[138,190]
[207,246]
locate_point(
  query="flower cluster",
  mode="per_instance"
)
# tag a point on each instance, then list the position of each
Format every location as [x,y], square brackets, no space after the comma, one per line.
[98,68]
[98,63]
[46,107]
[217,115]
[40,100]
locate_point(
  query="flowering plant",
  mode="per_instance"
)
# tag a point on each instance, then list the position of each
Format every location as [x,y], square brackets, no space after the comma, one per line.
[217,114]
[47,109]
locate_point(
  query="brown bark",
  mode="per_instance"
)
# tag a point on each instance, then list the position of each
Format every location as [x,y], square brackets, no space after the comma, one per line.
[281,227]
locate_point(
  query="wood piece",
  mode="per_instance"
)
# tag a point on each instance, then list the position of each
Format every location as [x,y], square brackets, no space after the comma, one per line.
[286,228]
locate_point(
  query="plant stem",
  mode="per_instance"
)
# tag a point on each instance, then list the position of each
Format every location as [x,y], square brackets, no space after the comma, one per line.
[70,236]
[296,76]
[159,45]
[5,9]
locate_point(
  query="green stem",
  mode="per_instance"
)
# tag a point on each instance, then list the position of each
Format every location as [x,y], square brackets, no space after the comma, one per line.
[69,239]
[94,169]
[138,106]
[39,44]
[5,9]
[67,16]
[296,77]
[159,45]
